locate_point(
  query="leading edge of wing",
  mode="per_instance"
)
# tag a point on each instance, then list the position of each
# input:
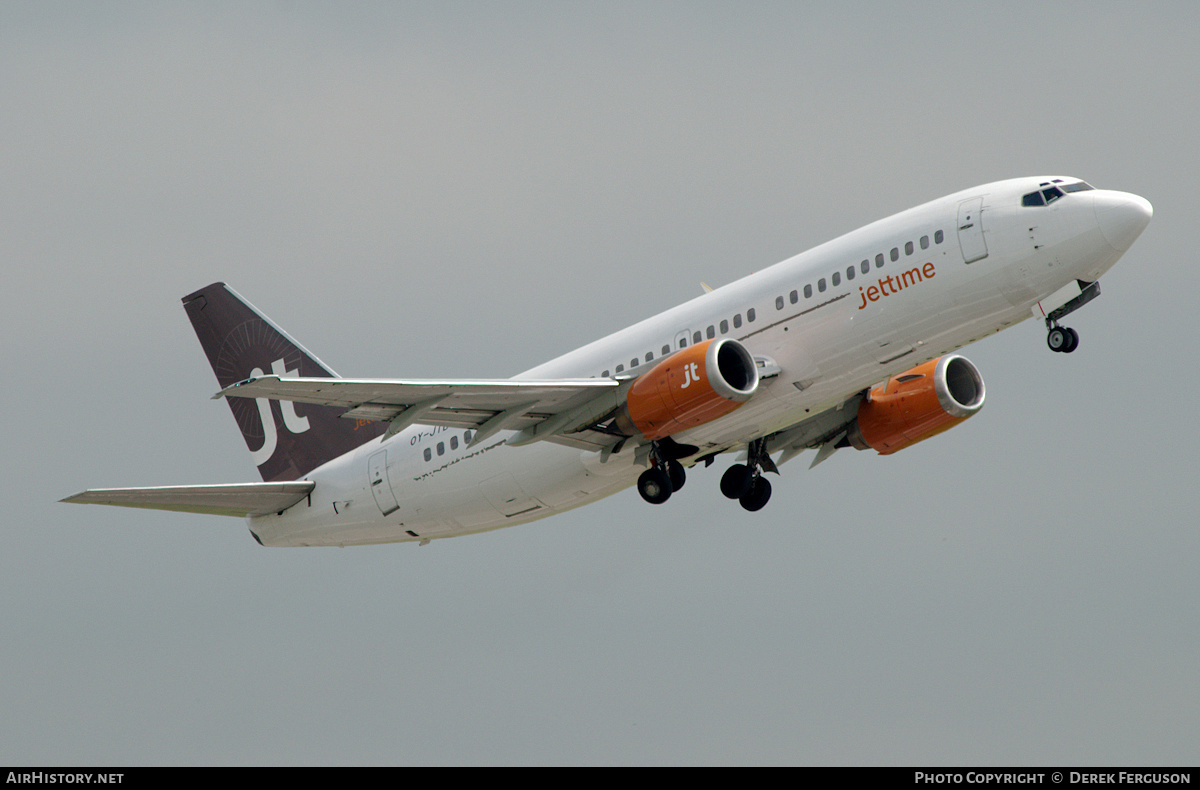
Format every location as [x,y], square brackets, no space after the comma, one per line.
[453,403]
[238,499]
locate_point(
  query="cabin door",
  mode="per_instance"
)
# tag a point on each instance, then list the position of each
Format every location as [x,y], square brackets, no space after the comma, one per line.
[970,230]
[381,488]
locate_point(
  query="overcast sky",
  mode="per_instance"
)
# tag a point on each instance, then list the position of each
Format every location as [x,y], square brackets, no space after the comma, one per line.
[468,189]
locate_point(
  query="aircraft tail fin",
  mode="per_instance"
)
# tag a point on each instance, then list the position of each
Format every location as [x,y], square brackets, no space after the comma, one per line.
[286,440]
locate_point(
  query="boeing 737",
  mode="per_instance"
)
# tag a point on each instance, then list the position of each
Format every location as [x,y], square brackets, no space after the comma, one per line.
[850,344]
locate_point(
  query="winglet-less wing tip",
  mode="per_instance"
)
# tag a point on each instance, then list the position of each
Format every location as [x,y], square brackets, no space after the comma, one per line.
[228,390]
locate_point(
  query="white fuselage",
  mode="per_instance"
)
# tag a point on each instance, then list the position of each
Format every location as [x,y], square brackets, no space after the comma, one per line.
[835,320]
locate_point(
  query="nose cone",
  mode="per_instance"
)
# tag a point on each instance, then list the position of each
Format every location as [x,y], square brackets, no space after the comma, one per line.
[1122,217]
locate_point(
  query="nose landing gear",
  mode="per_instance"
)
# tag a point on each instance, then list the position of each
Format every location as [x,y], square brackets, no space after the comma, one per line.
[1062,339]
[1069,298]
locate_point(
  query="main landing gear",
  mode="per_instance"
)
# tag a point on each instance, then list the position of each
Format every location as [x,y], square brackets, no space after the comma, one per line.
[1061,339]
[661,480]
[665,475]
[745,482]
[747,485]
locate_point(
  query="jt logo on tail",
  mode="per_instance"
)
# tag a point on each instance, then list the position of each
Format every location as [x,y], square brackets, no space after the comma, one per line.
[238,341]
[292,421]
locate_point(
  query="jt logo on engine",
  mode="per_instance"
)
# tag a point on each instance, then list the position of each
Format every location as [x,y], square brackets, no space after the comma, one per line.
[690,374]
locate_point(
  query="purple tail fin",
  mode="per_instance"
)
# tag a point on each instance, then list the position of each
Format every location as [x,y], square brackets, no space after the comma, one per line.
[286,440]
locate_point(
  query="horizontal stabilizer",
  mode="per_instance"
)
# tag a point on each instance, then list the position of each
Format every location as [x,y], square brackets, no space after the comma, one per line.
[239,499]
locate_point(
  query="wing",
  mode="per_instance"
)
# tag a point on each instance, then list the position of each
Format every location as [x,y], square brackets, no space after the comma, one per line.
[824,431]
[240,499]
[536,409]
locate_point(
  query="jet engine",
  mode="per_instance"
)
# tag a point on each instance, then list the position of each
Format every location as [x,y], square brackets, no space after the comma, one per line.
[917,404]
[689,388]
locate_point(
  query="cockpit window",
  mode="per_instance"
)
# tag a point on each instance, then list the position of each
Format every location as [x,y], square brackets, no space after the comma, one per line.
[1051,193]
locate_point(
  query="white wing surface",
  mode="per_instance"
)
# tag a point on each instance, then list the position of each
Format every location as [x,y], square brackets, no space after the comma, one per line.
[542,409]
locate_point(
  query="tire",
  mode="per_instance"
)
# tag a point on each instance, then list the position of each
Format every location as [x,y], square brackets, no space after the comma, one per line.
[758,495]
[1057,339]
[736,481]
[655,486]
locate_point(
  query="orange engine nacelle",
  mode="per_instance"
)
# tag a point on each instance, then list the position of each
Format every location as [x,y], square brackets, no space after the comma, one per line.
[689,388]
[917,404]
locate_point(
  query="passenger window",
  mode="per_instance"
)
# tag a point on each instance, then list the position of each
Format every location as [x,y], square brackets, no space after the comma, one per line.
[620,368]
[837,279]
[849,272]
[603,375]
[724,326]
[737,321]
[441,448]
[879,261]
[865,266]
[821,285]
[467,436]
[938,237]
[750,315]
[649,355]
[808,291]
[895,254]
[667,349]
[908,248]
[794,297]
[633,363]
[924,242]
[453,442]
[711,332]
[697,337]
[428,454]
[778,302]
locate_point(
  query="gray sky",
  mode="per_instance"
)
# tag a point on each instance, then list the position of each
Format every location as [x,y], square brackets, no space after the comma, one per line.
[468,189]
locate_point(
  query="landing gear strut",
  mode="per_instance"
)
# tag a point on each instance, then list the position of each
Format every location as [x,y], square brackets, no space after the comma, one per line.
[1059,338]
[745,482]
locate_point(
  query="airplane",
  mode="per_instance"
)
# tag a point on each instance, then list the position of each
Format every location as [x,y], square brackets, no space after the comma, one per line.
[850,344]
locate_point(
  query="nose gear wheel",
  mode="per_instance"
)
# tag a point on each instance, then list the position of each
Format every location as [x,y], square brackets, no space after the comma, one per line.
[1062,339]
